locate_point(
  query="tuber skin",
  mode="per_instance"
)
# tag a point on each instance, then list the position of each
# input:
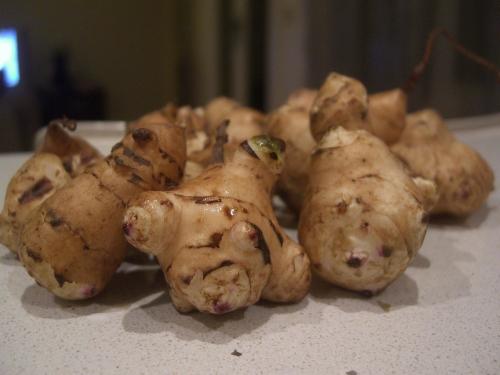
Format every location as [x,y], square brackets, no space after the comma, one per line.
[37,179]
[217,110]
[73,243]
[363,218]
[242,123]
[342,101]
[387,114]
[463,178]
[201,126]
[165,115]
[75,153]
[302,98]
[291,123]
[59,158]
[216,237]
[386,119]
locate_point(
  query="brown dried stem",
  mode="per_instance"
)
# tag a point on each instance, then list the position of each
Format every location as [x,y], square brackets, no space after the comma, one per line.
[420,67]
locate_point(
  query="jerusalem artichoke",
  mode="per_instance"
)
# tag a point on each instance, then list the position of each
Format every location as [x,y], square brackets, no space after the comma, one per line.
[363,217]
[216,237]
[59,158]
[73,243]
[463,178]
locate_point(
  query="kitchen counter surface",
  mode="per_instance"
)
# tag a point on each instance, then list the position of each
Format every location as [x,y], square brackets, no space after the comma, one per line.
[441,317]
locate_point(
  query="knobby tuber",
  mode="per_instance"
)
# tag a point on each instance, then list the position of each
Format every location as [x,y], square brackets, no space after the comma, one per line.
[382,114]
[216,237]
[76,153]
[201,126]
[73,243]
[463,178]
[343,101]
[59,158]
[36,180]
[363,217]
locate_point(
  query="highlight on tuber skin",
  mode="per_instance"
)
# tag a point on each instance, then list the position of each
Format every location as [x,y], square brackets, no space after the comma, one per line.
[59,158]
[216,236]
[73,243]
[463,178]
[363,218]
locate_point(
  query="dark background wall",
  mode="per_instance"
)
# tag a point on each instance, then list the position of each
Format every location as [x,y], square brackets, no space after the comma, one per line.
[123,59]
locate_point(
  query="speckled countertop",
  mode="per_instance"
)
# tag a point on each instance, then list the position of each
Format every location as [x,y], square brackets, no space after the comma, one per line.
[441,317]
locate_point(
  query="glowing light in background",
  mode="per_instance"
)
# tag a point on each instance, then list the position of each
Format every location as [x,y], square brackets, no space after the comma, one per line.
[9,60]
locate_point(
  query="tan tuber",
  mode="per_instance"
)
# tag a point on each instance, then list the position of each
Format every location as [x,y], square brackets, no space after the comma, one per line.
[73,243]
[363,218]
[463,178]
[216,237]
[59,158]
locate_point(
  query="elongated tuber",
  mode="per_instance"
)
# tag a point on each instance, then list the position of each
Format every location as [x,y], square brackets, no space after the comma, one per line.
[341,101]
[463,178]
[363,218]
[59,158]
[73,243]
[216,237]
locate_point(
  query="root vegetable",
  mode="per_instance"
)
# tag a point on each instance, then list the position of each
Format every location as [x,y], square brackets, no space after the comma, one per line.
[73,243]
[363,218]
[59,158]
[341,101]
[463,178]
[37,179]
[216,237]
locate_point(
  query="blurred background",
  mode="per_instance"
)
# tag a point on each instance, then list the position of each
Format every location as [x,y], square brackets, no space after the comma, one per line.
[107,60]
